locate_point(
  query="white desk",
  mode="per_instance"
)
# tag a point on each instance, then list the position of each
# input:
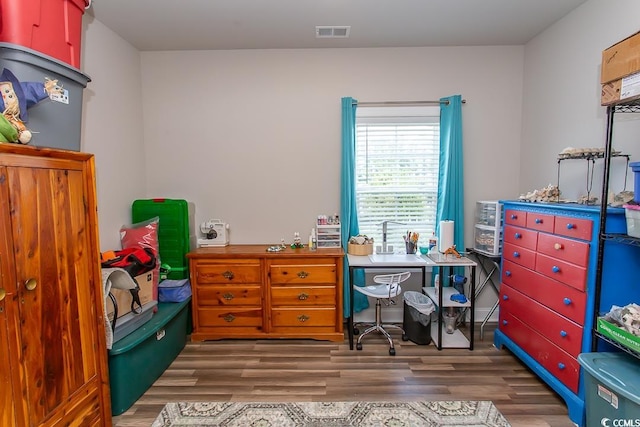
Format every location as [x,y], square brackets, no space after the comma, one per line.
[382,262]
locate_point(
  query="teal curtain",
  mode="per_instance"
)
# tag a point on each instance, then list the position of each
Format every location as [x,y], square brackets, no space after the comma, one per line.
[450,205]
[348,206]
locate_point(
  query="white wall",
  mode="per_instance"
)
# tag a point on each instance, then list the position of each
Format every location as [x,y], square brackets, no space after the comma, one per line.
[562,99]
[253,136]
[112,126]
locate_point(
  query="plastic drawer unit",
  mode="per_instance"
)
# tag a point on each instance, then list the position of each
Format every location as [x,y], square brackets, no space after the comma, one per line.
[140,358]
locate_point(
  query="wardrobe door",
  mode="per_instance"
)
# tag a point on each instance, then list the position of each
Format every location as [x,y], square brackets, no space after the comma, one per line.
[57,322]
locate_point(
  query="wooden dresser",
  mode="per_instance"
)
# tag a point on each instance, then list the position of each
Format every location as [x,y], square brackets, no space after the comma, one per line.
[243,291]
[547,291]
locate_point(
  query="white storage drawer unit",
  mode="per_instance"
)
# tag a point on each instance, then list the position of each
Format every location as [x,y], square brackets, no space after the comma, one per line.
[487,232]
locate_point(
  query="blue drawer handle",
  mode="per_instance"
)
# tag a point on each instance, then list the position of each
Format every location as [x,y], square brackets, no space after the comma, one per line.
[563,334]
[518,236]
[555,269]
[507,273]
[505,297]
[570,226]
[561,366]
[514,216]
[566,301]
[538,221]
[505,323]
[516,254]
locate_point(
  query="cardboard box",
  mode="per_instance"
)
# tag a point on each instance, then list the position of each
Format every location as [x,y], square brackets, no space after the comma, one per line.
[621,60]
[626,89]
[124,298]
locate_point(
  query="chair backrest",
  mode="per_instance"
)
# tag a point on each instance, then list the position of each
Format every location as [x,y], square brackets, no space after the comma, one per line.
[392,281]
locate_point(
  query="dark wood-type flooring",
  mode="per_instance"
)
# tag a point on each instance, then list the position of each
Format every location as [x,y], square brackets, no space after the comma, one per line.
[301,370]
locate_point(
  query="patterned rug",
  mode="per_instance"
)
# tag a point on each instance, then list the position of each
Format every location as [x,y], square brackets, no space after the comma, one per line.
[331,414]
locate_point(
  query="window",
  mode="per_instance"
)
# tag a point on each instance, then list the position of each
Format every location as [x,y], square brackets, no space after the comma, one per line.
[397,157]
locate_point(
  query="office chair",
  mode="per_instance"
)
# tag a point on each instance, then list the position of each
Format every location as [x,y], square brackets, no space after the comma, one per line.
[387,289]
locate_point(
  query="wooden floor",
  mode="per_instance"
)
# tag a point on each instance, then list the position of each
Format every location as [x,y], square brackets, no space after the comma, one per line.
[301,370]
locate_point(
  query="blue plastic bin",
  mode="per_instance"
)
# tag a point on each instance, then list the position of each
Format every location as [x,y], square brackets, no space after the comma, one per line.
[612,389]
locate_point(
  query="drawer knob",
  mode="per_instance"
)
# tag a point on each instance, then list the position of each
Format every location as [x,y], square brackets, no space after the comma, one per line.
[229,318]
[228,275]
[557,246]
[561,366]
[507,273]
[514,216]
[228,296]
[570,226]
[538,221]
[30,284]
[516,254]
[505,297]
[518,236]
[566,301]
[303,296]
[303,318]
[563,334]
[505,323]
[555,269]
[303,274]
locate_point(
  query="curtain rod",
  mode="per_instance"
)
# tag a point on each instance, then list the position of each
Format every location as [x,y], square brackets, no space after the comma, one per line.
[403,103]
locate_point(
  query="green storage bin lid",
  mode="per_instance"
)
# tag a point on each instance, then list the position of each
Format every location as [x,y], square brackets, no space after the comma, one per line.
[618,371]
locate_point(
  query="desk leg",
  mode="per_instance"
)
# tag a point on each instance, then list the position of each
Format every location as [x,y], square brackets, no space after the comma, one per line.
[473,300]
[350,323]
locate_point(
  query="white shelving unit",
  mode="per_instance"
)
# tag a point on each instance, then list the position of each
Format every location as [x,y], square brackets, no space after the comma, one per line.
[487,237]
[328,236]
[443,302]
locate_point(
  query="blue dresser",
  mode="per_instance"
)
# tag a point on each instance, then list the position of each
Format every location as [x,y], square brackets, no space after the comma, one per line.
[547,293]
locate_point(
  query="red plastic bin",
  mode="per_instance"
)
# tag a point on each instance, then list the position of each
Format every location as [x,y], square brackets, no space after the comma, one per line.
[51,27]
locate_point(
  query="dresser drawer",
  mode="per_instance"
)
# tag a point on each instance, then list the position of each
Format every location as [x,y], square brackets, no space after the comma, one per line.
[521,237]
[577,228]
[540,222]
[573,251]
[563,299]
[562,271]
[556,328]
[230,317]
[303,296]
[222,271]
[514,217]
[305,274]
[211,295]
[559,363]
[519,255]
[303,317]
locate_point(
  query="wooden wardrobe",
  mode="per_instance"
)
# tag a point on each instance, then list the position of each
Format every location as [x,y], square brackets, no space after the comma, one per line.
[53,357]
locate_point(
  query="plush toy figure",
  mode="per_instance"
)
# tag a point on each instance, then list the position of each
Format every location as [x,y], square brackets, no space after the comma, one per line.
[16,99]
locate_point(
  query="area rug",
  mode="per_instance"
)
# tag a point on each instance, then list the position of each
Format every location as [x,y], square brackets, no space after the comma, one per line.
[331,414]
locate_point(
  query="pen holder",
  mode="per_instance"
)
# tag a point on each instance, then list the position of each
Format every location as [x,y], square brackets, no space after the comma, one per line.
[411,247]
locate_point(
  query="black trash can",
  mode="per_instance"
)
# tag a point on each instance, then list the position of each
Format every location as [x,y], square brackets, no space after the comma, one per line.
[417,317]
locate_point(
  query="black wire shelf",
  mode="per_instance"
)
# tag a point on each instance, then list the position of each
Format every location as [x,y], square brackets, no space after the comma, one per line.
[617,345]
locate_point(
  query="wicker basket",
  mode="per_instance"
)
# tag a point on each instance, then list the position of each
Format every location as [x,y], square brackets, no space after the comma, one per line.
[366,249]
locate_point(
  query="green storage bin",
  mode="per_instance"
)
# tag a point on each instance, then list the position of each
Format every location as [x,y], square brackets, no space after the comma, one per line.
[176,232]
[140,358]
[612,389]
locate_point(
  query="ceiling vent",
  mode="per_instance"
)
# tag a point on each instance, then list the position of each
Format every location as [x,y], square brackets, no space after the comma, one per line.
[332,32]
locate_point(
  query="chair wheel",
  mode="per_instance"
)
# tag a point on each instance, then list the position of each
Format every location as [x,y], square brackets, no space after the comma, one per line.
[405,338]
[392,352]
[358,346]
[356,331]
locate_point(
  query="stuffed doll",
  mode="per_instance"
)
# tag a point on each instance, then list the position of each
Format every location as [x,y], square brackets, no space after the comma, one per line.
[17,98]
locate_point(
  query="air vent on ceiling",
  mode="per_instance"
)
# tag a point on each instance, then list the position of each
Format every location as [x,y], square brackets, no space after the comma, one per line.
[332,32]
